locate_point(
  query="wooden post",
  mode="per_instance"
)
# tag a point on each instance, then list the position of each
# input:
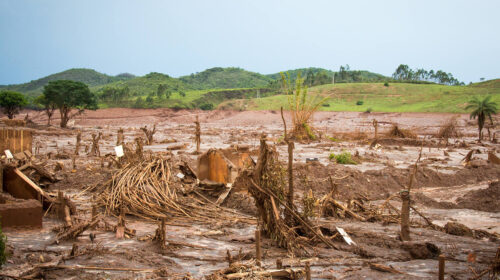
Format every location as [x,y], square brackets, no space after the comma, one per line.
[120,138]
[60,202]
[308,271]
[94,150]
[257,247]
[74,250]
[94,211]
[279,264]
[197,135]
[229,257]
[441,267]
[1,177]
[375,125]
[78,140]
[290,180]
[73,162]
[405,215]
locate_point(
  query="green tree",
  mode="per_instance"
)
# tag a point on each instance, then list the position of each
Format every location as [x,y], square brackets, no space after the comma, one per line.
[139,102]
[11,102]
[480,110]
[69,95]
[47,105]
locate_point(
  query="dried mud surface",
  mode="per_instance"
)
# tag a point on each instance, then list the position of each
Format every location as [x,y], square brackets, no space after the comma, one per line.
[444,190]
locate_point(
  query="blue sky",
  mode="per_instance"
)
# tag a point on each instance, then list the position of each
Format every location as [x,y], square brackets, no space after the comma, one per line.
[38,38]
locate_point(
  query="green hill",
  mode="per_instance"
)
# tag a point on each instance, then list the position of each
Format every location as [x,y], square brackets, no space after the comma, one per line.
[225,78]
[87,76]
[397,97]
[488,84]
[364,76]
[144,85]
[303,71]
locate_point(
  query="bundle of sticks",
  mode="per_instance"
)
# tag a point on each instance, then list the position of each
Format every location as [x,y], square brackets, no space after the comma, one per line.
[148,190]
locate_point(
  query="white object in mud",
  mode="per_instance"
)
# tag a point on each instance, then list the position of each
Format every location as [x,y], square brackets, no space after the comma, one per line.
[180,175]
[346,237]
[119,151]
[8,154]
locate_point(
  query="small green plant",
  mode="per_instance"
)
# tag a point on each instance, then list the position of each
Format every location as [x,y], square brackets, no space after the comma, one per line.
[360,102]
[333,139]
[3,241]
[386,84]
[342,158]
[207,106]
[325,105]
[309,132]
[369,110]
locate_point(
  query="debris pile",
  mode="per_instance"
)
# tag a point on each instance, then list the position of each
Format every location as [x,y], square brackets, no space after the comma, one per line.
[149,190]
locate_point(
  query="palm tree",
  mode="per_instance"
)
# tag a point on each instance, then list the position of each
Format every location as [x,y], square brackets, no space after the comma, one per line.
[481,109]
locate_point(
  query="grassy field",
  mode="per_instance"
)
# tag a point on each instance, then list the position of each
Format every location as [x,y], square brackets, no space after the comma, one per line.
[397,97]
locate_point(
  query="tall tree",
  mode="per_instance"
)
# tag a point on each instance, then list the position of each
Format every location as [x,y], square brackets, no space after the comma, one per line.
[480,110]
[68,96]
[11,102]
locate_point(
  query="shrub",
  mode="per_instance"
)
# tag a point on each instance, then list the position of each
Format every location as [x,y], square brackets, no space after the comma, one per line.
[360,102]
[342,158]
[386,84]
[139,103]
[325,105]
[369,110]
[207,106]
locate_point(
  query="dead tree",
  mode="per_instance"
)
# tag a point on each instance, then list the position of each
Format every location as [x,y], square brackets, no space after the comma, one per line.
[120,138]
[94,150]
[139,147]
[78,141]
[161,234]
[291,146]
[375,125]
[197,134]
[149,134]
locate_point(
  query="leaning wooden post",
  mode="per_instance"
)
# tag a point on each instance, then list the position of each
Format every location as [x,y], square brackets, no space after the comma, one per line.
[441,267]
[405,207]
[257,247]
[405,215]
[308,271]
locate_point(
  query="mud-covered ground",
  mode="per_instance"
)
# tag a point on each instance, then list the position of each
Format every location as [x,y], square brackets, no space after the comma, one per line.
[444,191]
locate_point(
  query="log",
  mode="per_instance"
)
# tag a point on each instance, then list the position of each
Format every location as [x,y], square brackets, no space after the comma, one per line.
[284,273]
[75,231]
[352,214]
[384,268]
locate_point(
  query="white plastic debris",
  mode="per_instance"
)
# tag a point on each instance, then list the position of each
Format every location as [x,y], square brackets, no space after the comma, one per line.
[346,237]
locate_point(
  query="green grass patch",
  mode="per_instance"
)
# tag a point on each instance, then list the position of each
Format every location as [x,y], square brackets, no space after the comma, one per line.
[342,158]
[399,97]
